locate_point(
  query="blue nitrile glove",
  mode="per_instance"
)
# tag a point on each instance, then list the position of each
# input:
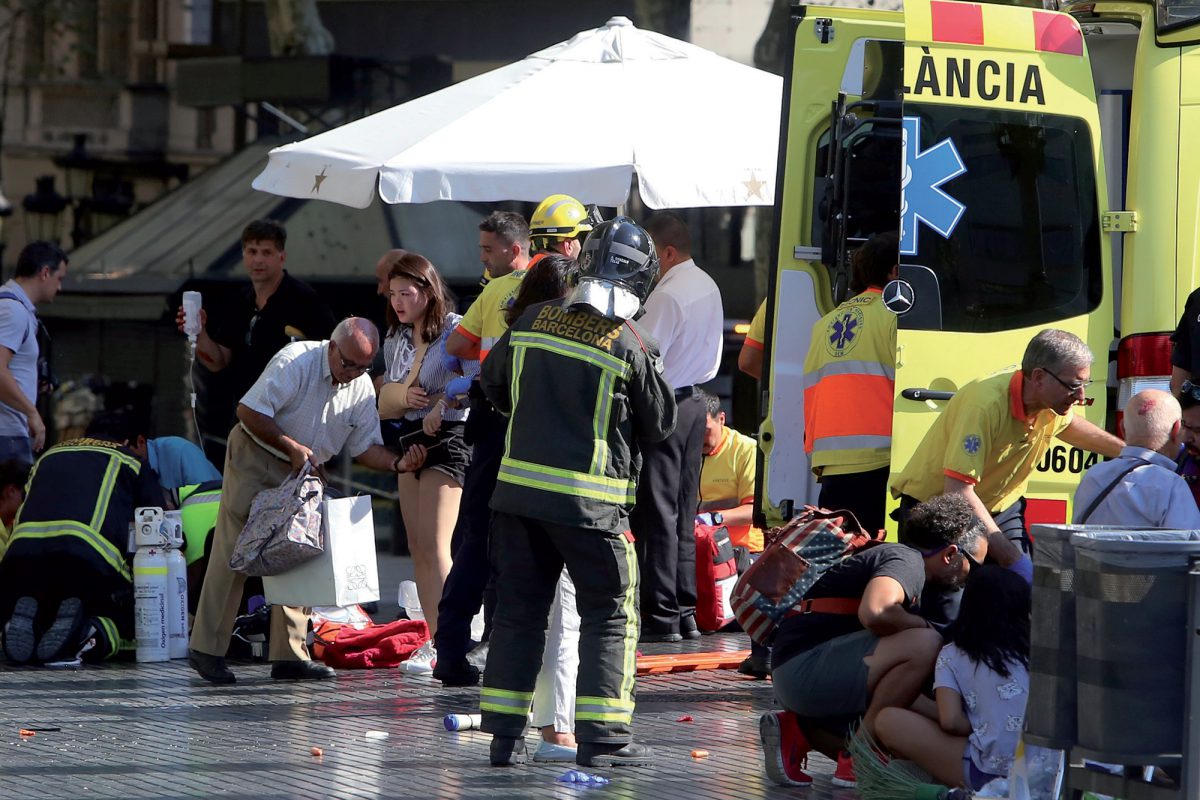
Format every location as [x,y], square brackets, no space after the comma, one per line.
[458,387]
[451,363]
[1023,566]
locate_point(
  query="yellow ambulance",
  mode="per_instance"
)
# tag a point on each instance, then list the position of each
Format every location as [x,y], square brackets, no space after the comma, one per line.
[1041,167]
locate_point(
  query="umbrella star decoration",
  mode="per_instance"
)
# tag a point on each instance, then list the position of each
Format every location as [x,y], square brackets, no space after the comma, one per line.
[754,187]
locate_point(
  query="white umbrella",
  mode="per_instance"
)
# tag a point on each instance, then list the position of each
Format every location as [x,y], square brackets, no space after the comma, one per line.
[698,129]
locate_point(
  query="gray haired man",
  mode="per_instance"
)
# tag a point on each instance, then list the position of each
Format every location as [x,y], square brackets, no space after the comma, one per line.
[989,437]
[312,400]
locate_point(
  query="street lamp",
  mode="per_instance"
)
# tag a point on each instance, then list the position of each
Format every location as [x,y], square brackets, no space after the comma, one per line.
[43,211]
[111,203]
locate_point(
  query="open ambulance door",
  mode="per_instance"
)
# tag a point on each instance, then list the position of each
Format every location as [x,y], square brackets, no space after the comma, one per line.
[840,161]
[1001,225]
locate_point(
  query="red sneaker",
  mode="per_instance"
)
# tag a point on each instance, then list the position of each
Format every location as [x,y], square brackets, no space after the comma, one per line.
[785,748]
[843,776]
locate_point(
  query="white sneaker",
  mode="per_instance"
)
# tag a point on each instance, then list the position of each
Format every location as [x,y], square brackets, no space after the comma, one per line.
[421,661]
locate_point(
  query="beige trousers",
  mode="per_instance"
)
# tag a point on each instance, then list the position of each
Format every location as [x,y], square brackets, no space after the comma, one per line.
[249,469]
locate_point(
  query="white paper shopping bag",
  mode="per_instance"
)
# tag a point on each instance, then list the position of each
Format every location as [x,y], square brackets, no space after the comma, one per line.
[346,573]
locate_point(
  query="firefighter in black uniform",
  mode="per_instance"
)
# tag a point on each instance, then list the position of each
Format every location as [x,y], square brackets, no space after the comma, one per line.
[66,581]
[582,387]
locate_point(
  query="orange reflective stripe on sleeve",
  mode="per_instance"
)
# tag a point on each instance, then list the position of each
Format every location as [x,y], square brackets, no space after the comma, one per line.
[848,405]
[958,476]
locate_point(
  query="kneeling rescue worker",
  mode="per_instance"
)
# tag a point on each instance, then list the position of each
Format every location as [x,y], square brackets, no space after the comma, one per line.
[65,583]
[582,369]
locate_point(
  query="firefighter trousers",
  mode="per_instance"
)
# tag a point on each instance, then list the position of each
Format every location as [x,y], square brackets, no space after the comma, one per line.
[529,555]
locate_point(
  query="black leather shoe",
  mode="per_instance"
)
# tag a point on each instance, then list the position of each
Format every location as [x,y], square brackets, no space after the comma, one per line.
[456,674]
[593,754]
[655,638]
[755,666]
[211,668]
[688,628]
[301,671]
[506,751]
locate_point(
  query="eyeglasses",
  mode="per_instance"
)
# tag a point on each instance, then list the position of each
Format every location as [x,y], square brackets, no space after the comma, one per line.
[972,560]
[1073,388]
[1190,389]
[350,366]
[347,364]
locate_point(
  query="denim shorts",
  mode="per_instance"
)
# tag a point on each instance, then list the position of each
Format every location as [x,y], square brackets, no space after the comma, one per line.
[830,680]
[973,777]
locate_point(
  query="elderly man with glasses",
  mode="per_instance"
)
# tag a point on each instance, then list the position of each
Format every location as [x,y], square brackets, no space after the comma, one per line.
[985,443]
[312,400]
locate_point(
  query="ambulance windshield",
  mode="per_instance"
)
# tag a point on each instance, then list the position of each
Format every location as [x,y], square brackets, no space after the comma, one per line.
[1174,14]
[1026,248]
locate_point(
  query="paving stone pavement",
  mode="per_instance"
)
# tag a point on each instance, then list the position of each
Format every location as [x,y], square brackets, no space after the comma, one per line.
[159,731]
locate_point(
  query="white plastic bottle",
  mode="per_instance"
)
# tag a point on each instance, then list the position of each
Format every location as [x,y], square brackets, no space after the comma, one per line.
[191,314]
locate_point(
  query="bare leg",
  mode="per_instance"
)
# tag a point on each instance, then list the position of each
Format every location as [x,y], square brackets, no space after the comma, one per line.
[919,739]
[438,504]
[898,670]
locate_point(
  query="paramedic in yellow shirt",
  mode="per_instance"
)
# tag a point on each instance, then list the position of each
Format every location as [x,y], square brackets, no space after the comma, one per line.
[727,478]
[986,441]
[750,358]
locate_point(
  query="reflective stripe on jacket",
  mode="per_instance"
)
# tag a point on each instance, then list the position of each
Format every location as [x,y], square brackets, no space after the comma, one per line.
[581,391]
[80,500]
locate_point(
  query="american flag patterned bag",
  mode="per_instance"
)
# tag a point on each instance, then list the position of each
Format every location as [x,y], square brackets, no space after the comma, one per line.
[794,559]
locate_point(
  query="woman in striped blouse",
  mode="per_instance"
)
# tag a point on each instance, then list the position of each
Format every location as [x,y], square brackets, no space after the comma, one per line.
[419,319]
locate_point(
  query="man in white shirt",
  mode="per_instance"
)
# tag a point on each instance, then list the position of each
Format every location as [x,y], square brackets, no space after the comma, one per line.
[313,399]
[1139,488]
[684,315]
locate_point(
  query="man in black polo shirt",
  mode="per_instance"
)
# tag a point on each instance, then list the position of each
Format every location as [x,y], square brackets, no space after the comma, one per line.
[274,309]
[863,646]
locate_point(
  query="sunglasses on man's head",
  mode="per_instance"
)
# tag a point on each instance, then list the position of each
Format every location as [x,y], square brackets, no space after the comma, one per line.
[1192,390]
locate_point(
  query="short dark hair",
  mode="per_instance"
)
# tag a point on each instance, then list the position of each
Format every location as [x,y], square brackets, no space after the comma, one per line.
[941,521]
[509,226]
[548,279]
[1187,400]
[117,425]
[712,403]
[38,255]
[873,261]
[667,228]
[265,230]
[14,473]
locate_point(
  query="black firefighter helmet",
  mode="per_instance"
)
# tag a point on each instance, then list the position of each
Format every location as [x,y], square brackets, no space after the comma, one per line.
[617,268]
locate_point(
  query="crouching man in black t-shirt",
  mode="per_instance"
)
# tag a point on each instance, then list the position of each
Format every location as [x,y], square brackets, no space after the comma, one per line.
[829,669]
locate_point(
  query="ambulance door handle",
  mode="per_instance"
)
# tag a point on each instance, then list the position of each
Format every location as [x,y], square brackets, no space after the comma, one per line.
[921,395]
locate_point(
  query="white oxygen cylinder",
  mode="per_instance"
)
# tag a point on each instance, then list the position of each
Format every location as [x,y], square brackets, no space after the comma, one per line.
[177,586]
[150,573]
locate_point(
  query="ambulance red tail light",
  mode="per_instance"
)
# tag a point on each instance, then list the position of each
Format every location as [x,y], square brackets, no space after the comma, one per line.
[1143,362]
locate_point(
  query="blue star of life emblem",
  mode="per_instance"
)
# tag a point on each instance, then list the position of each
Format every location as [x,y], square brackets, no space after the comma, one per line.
[921,197]
[972,444]
[843,331]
